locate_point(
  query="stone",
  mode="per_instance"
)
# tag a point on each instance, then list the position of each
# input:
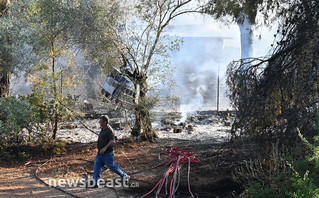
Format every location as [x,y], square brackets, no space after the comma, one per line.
[71,125]
[177,130]
[116,125]
[190,127]
[227,122]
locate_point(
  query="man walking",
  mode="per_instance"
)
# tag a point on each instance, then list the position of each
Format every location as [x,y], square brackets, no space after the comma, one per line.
[105,155]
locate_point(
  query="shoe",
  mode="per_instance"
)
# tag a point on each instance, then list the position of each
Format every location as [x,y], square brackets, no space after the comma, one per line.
[91,184]
[126,178]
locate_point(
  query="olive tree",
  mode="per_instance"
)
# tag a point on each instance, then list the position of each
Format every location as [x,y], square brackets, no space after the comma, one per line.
[54,67]
[138,42]
[5,56]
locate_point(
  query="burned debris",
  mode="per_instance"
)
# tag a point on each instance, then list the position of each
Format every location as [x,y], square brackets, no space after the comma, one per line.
[171,122]
[118,87]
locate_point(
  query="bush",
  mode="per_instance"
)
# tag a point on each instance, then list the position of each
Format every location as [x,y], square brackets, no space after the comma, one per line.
[50,147]
[304,177]
[255,190]
[15,115]
[300,181]
[20,153]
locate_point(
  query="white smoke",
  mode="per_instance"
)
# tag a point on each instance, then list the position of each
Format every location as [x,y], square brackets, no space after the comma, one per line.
[209,46]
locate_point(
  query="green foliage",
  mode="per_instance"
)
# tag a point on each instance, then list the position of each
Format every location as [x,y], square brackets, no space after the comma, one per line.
[15,115]
[16,33]
[50,147]
[51,93]
[235,10]
[305,187]
[300,181]
[304,181]
[44,94]
[37,101]
[16,157]
[3,146]
[255,190]
[19,153]
[302,184]
[54,73]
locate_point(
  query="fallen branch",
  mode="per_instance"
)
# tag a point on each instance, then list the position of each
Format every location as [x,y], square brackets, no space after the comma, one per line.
[88,128]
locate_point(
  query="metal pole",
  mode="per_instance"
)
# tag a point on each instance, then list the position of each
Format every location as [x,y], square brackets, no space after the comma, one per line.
[218,90]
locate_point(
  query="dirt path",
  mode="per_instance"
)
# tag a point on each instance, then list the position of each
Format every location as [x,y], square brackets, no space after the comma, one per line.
[210,178]
[20,182]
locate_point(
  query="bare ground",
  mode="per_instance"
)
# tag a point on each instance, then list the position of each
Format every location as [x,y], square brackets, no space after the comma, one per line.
[210,178]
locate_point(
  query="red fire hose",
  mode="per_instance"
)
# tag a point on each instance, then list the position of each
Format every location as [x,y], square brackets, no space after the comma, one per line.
[178,157]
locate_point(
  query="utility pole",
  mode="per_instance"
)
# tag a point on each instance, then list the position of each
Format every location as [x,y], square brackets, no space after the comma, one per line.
[218,90]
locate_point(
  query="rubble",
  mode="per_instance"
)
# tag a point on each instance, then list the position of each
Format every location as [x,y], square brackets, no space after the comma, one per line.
[178,129]
[190,127]
[197,126]
[88,107]
[68,125]
[117,126]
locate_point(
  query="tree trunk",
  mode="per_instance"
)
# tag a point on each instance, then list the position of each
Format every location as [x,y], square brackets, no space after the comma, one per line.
[246,38]
[5,62]
[143,126]
[5,78]
[55,115]
[55,129]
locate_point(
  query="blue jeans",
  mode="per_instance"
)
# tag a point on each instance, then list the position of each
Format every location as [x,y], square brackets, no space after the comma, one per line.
[108,160]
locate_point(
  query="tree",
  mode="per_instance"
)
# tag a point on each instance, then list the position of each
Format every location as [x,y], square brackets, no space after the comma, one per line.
[53,70]
[5,56]
[244,13]
[281,96]
[281,91]
[138,42]
[35,38]
[15,35]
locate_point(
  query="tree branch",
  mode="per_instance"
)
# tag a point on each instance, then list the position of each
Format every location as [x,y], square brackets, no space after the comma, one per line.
[160,28]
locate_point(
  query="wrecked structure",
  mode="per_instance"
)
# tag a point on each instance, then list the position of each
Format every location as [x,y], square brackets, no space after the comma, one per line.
[118,88]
